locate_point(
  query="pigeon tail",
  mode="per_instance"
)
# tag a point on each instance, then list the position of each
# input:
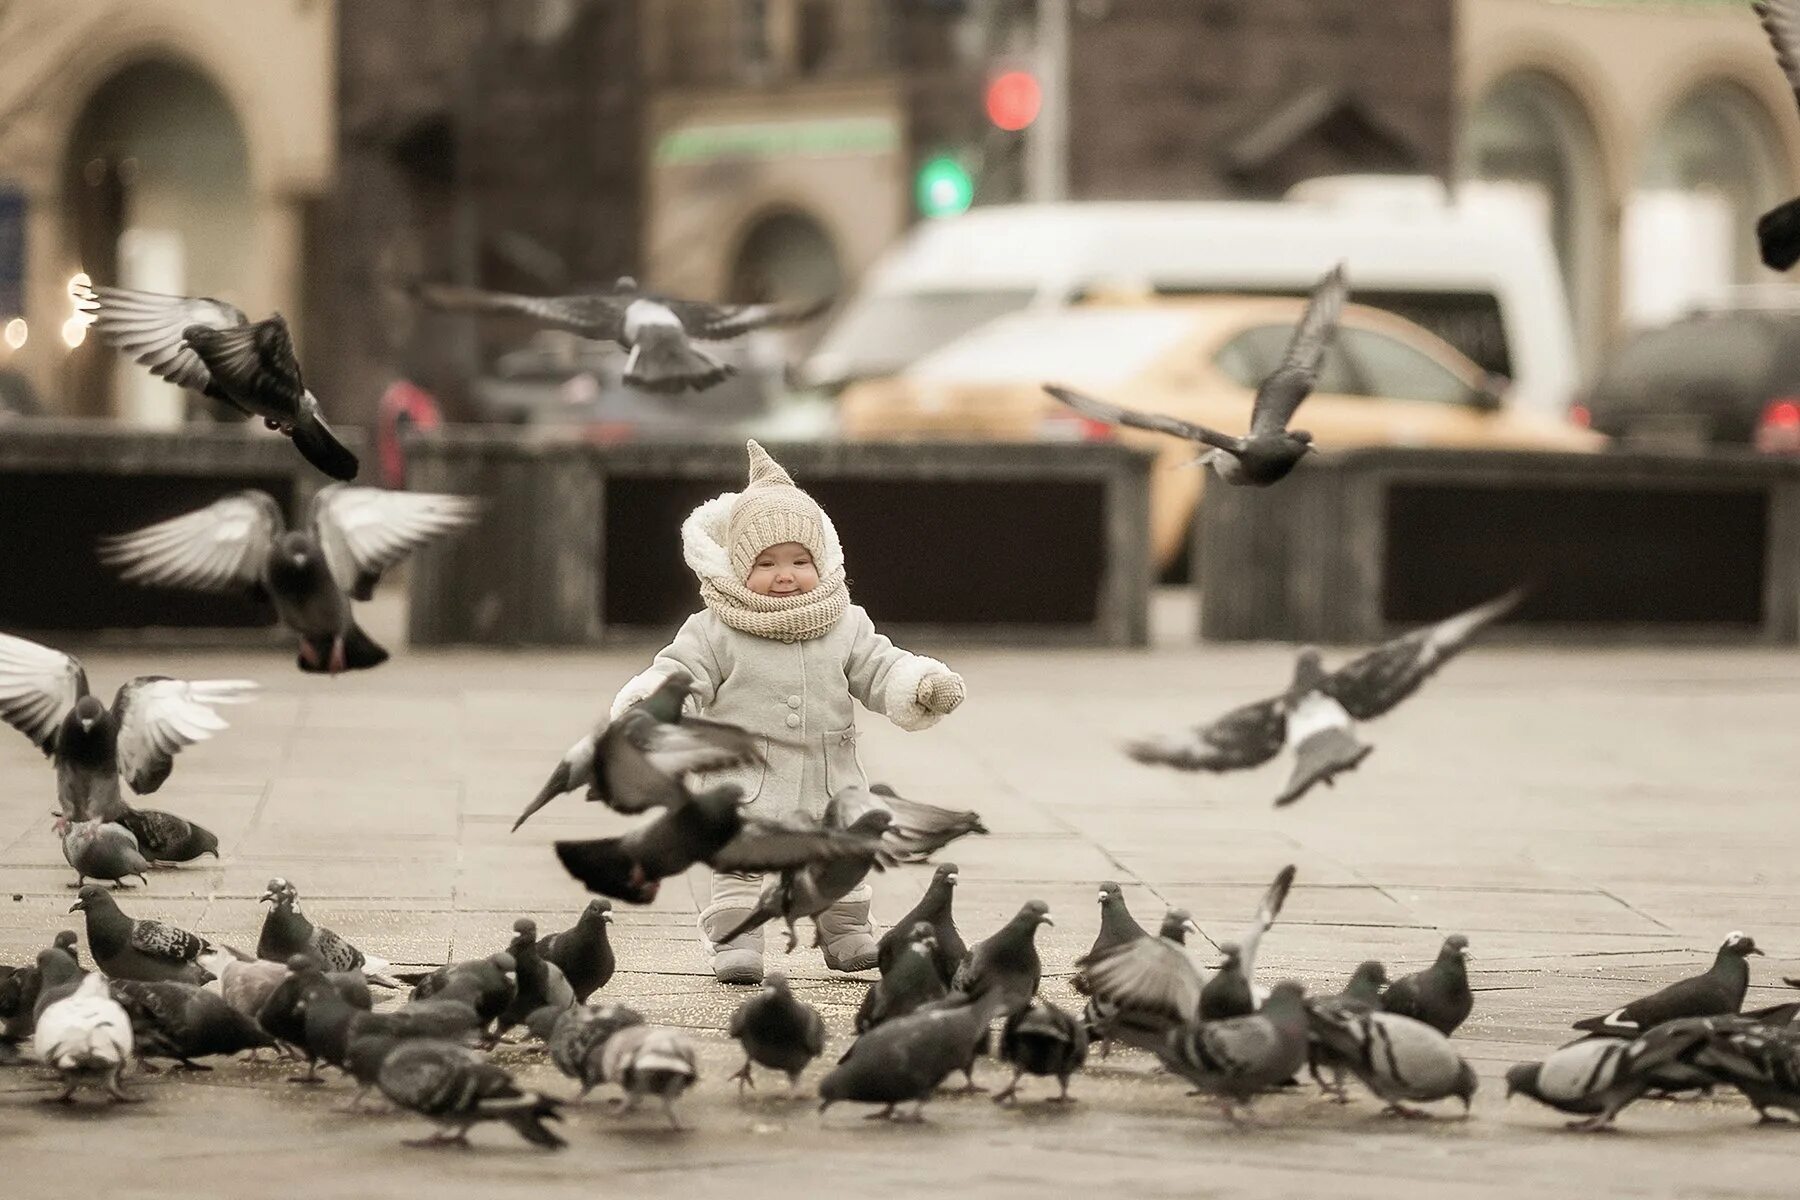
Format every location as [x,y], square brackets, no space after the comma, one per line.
[666,362]
[527,1114]
[320,447]
[605,866]
[1319,759]
[1778,235]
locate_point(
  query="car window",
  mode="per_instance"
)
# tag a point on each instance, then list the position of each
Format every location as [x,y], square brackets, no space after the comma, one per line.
[1393,369]
[1252,356]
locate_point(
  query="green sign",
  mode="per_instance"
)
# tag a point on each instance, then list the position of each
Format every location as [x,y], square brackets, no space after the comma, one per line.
[826,136]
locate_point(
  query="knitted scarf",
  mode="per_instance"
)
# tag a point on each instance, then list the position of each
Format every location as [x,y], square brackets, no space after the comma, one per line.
[783,618]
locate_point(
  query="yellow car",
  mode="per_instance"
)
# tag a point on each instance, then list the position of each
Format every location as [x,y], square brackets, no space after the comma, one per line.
[1383,382]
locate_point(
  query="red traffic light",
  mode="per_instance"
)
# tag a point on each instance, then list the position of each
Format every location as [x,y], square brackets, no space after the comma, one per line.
[1014,100]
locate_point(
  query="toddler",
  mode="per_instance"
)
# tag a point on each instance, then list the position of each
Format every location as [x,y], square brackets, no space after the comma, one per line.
[780,650]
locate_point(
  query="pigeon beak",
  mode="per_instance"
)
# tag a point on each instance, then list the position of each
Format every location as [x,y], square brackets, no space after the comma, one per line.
[606,917]
[1755,950]
[78,906]
[267,898]
[1045,920]
[299,559]
[950,878]
[1191,927]
[87,724]
[1103,897]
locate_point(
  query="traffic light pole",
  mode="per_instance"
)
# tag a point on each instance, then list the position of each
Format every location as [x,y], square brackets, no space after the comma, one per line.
[1047,170]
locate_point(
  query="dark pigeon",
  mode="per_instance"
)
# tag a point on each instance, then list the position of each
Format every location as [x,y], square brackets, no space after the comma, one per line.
[286,931]
[578,1041]
[457,1088]
[777,1031]
[1227,993]
[58,975]
[183,1022]
[1138,991]
[807,891]
[1762,1061]
[1006,965]
[1439,995]
[537,984]
[146,950]
[487,985]
[649,1060]
[1778,230]
[583,952]
[657,331]
[933,908]
[283,1015]
[911,979]
[904,1060]
[334,1029]
[211,347]
[1598,1077]
[1238,1058]
[1117,925]
[19,993]
[166,838]
[1361,995]
[1041,1039]
[1397,1058]
[1719,991]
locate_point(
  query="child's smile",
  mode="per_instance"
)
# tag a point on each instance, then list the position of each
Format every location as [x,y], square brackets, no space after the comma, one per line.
[783,570]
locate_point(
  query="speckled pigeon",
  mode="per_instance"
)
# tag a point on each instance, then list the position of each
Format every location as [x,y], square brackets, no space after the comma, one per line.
[458,1088]
[286,931]
[935,909]
[1439,995]
[130,949]
[777,1030]
[183,1022]
[164,837]
[1598,1077]
[1397,1058]
[650,1060]
[1718,991]
[579,1037]
[1237,1058]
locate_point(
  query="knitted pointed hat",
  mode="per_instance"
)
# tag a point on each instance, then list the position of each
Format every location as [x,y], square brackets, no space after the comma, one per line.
[771,510]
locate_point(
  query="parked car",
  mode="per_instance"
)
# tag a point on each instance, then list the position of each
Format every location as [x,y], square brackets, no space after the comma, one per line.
[1478,274]
[1720,378]
[1383,381]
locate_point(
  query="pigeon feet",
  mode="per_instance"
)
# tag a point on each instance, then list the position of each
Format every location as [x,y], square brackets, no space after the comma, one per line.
[886,1114]
[745,1081]
[1600,1124]
[1397,1109]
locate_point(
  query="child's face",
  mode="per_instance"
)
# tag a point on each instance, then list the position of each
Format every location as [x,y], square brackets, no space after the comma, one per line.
[783,570]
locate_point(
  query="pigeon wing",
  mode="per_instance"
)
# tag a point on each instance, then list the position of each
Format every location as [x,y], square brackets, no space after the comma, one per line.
[1781,21]
[253,360]
[676,750]
[920,830]
[599,315]
[158,716]
[365,531]
[1095,409]
[1282,392]
[1247,736]
[1376,682]
[1236,1047]
[575,770]
[221,547]
[1148,977]
[38,687]
[1266,912]
[150,328]
[717,322]
[166,941]
[771,846]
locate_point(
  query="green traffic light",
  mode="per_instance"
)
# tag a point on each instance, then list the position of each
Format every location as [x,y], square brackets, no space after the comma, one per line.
[944,188]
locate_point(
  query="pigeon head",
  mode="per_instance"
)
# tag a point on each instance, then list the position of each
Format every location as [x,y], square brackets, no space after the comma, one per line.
[597,910]
[300,964]
[1370,974]
[207,840]
[775,982]
[65,941]
[526,928]
[1309,670]
[93,898]
[279,892]
[504,963]
[1523,1078]
[88,711]
[1740,944]
[872,823]
[1303,437]
[1455,946]
[295,548]
[1230,956]
[665,702]
[716,802]
[626,283]
[1110,891]
[1034,913]
[945,874]
[1177,924]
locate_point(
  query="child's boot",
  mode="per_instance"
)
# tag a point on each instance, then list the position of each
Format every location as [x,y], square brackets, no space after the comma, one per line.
[847,933]
[732,899]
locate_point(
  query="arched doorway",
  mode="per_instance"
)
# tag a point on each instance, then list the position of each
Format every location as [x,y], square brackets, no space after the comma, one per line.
[785,256]
[156,195]
[1530,131]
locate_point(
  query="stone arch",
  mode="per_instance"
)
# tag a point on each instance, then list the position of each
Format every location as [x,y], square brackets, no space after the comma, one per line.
[784,252]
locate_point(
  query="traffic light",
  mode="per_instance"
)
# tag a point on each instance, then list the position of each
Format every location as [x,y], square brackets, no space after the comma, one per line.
[1014,99]
[944,187]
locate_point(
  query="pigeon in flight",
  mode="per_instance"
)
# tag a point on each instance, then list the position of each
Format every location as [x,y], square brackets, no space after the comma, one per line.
[1597,1077]
[1270,450]
[1316,717]
[1232,991]
[310,574]
[656,330]
[807,891]
[1778,230]
[1719,991]
[44,695]
[1140,990]
[212,347]
[85,1035]
[918,830]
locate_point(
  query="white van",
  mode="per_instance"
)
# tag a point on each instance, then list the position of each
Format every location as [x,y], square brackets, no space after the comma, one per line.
[1479,272]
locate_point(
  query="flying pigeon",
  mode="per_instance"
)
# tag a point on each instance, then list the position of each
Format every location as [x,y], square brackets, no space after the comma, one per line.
[583,952]
[1138,991]
[1117,925]
[578,1040]
[918,830]
[1237,1058]
[311,574]
[1041,1039]
[1270,450]
[85,1035]
[1006,965]
[212,347]
[1397,1058]
[710,828]
[539,984]
[286,931]
[99,849]
[1316,716]
[1719,991]
[182,1022]
[910,979]
[1232,991]
[635,762]
[1439,995]
[1598,1077]
[1778,230]
[164,837]
[904,1060]
[655,329]
[777,1031]
[934,909]
[133,949]
[458,1088]
[44,695]
[807,891]
[649,1060]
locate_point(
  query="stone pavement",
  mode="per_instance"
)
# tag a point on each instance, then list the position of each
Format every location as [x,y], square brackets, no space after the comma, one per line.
[1595,821]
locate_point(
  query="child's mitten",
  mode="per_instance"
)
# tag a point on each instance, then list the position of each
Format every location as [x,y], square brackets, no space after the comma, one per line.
[941,692]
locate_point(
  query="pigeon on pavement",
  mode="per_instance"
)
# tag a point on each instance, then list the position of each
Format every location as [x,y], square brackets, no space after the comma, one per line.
[487,985]
[1270,450]
[164,837]
[245,983]
[1361,995]
[58,975]
[904,1060]
[212,347]
[310,574]
[1041,1039]
[1117,925]
[909,980]
[20,989]
[1598,1077]
[1762,1061]
[44,695]
[1006,965]
[650,1060]
[1778,230]
[1138,991]
[99,849]
[776,1030]
[286,931]
[583,952]
[1316,716]
[134,949]
[85,1035]
[1232,991]
[933,908]
[578,1040]
[1439,995]
[656,330]
[458,1088]
[807,891]
[1397,1058]
[1719,991]
[1237,1058]
[182,1022]
[538,984]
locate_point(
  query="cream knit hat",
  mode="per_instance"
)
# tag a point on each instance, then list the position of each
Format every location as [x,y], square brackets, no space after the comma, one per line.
[771,510]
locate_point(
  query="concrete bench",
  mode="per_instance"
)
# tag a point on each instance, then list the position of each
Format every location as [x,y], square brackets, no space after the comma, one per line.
[987,541]
[1354,547]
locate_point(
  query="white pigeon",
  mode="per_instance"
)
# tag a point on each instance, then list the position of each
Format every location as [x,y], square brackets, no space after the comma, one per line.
[85,1035]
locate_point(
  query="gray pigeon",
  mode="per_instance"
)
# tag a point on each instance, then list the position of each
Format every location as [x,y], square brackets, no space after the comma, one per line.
[1397,1058]
[934,908]
[656,330]
[164,837]
[1227,993]
[19,992]
[1361,995]
[807,891]
[649,1060]
[1237,1058]
[245,983]
[44,695]
[212,347]
[1270,450]
[1041,1039]
[83,1035]
[1141,990]
[583,952]
[910,979]
[1006,965]
[917,829]
[1316,716]
[131,949]
[182,1022]
[457,1088]
[487,985]
[286,931]
[1719,991]
[1778,230]
[99,849]
[58,975]
[538,984]
[777,1031]
[1598,1077]
[1439,995]
[579,1037]
[1762,1061]
[904,1060]
[242,545]
[1117,925]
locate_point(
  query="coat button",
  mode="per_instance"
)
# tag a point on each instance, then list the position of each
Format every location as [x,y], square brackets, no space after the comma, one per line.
[793,702]
[793,720]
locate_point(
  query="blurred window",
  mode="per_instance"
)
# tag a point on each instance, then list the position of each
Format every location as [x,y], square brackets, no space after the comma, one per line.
[880,334]
[1252,356]
[1394,369]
